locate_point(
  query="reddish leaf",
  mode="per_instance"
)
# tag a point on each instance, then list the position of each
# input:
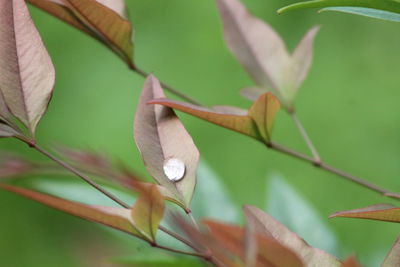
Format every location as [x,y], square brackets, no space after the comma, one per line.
[161,137]
[118,218]
[393,258]
[257,123]
[262,52]
[104,20]
[381,212]
[148,211]
[350,262]
[269,252]
[268,226]
[26,72]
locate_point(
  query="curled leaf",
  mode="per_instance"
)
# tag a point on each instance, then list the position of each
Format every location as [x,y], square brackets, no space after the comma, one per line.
[380,212]
[27,74]
[118,218]
[263,53]
[257,123]
[148,211]
[160,136]
[104,20]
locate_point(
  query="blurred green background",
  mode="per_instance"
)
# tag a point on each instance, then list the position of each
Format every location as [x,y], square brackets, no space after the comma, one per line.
[349,104]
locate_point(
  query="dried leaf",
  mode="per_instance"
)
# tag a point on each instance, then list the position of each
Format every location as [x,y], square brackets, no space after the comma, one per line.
[380,212]
[118,218]
[262,52]
[310,256]
[257,123]
[160,137]
[148,211]
[350,262]
[27,74]
[393,258]
[105,20]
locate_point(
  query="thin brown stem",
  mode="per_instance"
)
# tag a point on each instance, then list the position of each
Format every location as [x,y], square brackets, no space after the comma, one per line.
[305,136]
[168,88]
[98,187]
[328,168]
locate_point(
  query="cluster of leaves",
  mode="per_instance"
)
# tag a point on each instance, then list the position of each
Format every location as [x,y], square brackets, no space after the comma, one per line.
[27,79]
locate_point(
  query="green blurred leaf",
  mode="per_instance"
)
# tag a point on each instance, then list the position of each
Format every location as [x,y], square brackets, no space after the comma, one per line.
[150,258]
[380,9]
[367,12]
[295,212]
[212,199]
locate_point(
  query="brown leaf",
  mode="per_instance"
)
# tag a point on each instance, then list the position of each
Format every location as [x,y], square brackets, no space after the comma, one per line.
[257,123]
[27,74]
[268,251]
[148,211]
[393,258]
[162,139]
[262,52]
[105,20]
[271,227]
[381,212]
[118,218]
[351,262]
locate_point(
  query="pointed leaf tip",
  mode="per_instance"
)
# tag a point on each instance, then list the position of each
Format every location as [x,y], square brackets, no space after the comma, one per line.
[161,137]
[380,212]
[27,74]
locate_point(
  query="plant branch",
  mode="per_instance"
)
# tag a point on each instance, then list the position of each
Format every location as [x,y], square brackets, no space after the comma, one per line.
[305,136]
[328,168]
[96,186]
[168,88]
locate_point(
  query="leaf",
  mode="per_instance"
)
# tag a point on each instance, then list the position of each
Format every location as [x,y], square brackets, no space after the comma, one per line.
[350,262]
[117,218]
[380,212]
[212,199]
[105,20]
[309,255]
[381,9]
[270,252]
[257,123]
[367,12]
[287,206]
[160,136]
[27,74]
[252,93]
[7,131]
[148,211]
[393,258]
[263,53]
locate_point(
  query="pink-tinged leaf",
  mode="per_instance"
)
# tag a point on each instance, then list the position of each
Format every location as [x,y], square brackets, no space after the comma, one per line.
[165,145]
[268,251]
[351,262]
[148,211]
[271,227]
[115,31]
[257,123]
[252,93]
[393,258]
[380,212]
[27,74]
[117,218]
[230,110]
[262,52]
[104,20]
[5,114]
